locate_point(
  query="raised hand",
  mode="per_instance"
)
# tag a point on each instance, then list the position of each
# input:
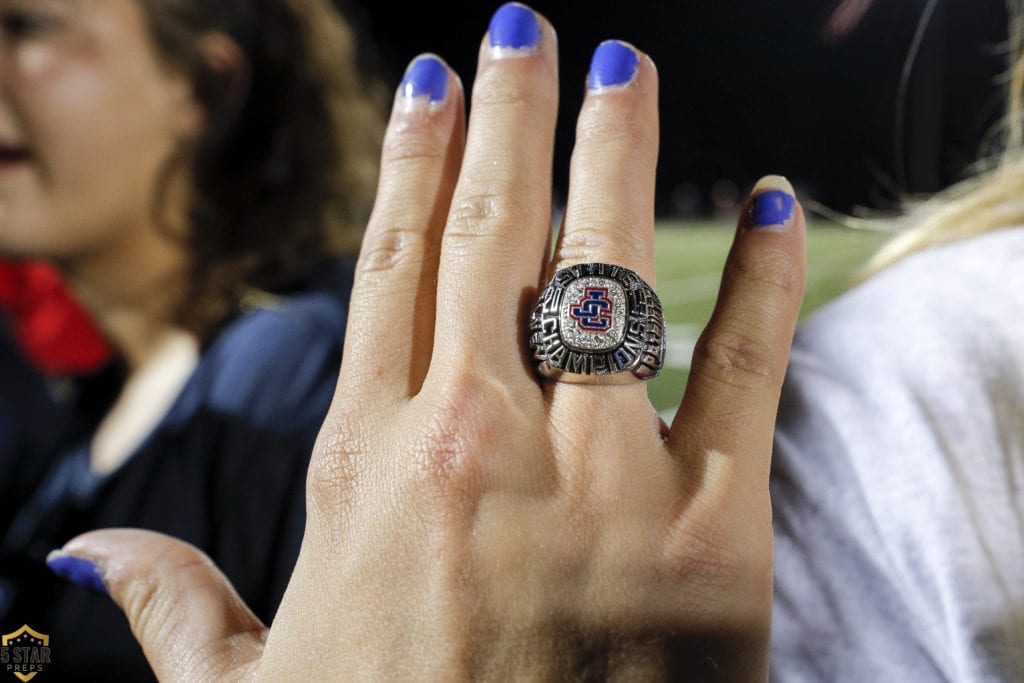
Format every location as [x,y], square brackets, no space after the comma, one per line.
[468,518]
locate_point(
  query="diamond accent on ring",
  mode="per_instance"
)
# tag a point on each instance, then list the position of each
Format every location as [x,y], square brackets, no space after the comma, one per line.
[593,314]
[597,319]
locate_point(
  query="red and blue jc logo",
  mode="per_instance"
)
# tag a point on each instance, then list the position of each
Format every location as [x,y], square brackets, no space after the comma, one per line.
[593,312]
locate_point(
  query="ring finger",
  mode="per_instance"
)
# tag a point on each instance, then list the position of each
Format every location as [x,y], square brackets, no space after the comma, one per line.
[610,211]
[609,216]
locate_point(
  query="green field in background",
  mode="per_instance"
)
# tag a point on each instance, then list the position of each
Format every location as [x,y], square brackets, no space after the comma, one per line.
[689,267]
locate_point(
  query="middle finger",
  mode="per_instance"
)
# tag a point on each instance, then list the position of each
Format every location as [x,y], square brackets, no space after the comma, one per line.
[497,234]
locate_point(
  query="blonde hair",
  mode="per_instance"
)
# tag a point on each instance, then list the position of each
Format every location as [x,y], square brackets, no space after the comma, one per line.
[991,198]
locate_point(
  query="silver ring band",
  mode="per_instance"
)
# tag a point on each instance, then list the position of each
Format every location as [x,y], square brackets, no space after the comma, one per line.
[598,323]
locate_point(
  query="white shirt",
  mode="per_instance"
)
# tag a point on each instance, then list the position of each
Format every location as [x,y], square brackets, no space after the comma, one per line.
[898,476]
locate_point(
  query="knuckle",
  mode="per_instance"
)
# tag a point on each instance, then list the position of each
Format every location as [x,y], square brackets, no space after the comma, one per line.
[389,248]
[158,602]
[497,87]
[411,145]
[734,358]
[710,556]
[144,608]
[609,235]
[701,554]
[447,449]
[333,467]
[474,208]
[606,123]
[440,455]
[477,215]
[767,269]
[155,600]
[583,243]
[693,547]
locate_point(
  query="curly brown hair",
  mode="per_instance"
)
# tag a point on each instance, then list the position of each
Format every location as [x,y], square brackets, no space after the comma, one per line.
[284,171]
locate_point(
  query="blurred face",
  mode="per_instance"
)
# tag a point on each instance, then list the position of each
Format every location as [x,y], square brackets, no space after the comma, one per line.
[88,119]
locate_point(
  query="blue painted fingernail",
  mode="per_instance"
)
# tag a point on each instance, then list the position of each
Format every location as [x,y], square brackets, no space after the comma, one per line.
[78,571]
[772,203]
[773,207]
[426,80]
[614,64]
[514,26]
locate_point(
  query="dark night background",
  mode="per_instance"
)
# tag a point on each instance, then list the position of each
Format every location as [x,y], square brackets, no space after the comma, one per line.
[750,87]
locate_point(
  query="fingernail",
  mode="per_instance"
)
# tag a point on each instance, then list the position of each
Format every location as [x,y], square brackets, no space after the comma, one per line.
[772,203]
[425,81]
[77,570]
[614,64]
[514,27]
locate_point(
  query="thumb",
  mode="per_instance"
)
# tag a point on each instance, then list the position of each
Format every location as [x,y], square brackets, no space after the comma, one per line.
[183,611]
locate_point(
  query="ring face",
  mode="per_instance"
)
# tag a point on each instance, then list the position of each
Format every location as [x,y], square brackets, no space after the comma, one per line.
[594,320]
[592,314]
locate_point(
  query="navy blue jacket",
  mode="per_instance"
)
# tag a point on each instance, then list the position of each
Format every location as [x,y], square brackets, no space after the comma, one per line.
[224,470]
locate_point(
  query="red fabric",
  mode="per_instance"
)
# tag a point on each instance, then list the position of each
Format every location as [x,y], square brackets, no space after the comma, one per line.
[50,326]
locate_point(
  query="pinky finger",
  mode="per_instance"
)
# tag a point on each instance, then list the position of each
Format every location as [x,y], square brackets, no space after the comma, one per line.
[732,396]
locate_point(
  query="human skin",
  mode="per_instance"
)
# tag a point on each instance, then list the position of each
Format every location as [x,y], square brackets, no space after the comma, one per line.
[90,119]
[467,520]
[92,128]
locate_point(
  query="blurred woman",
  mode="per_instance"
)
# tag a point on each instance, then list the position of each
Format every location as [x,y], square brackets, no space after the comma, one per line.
[899,461]
[199,172]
